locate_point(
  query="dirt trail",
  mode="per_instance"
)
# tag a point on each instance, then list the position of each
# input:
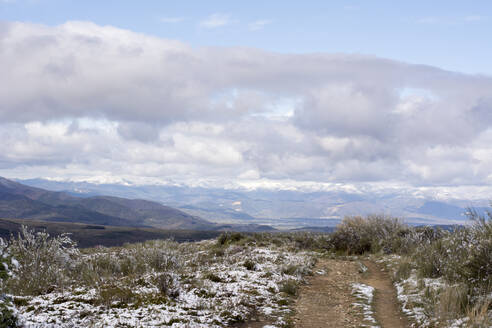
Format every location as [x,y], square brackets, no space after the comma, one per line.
[326,301]
[385,303]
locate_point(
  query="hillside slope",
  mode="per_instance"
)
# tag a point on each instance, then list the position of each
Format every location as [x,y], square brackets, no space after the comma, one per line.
[21,201]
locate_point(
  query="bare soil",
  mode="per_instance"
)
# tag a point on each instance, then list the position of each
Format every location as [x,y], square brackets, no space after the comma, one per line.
[387,310]
[326,301]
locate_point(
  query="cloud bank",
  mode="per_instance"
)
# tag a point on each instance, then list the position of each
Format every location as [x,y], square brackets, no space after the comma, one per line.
[82,99]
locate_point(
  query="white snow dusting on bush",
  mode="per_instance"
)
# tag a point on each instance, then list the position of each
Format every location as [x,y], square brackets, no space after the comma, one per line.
[197,289]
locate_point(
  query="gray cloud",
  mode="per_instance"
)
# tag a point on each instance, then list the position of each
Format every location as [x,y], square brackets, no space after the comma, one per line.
[138,131]
[85,99]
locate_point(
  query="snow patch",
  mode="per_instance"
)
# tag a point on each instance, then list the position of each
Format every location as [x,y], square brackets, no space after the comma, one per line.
[365,294]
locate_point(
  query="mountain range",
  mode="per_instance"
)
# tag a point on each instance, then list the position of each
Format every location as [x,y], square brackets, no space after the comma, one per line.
[34,205]
[284,209]
[27,202]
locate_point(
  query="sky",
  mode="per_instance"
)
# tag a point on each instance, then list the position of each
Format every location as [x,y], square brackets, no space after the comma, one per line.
[256,94]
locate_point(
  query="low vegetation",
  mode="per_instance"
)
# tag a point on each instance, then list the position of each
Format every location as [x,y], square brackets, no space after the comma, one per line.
[211,283]
[443,278]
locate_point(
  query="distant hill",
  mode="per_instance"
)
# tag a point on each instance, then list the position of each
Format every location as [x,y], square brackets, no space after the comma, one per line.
[315,229]
[25,202]
[98,235]
[283,209]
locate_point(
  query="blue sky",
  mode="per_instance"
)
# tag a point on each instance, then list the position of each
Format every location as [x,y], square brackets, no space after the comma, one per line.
[454,35]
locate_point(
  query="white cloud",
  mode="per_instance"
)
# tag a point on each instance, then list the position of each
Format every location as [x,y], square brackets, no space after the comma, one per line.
[216,20]
[86,100]
[259,24]
[447,20]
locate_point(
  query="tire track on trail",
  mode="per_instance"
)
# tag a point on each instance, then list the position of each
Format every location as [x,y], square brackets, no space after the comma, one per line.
[327,300]
[385,304]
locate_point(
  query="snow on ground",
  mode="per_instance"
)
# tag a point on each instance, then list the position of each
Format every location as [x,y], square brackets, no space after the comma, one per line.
[410,298]
[365,294]
[246,281]
[411,293]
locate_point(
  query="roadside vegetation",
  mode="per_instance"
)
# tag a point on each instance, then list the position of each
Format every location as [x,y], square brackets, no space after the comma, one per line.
[443,278]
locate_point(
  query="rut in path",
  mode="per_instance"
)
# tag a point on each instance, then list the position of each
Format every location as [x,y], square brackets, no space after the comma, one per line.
[385,304]
[327,301]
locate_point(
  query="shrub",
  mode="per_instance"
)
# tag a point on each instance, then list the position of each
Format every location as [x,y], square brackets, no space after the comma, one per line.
[168,284]
[358,235]
[44,262]
[159,255]
[115,296]
[463,258]
[290,269]
[213,277]
[404,269]
[249,265]
[453,300]
[431,260]
[227,238]
[129,261]
[7,317]
[478,268]
[289,287]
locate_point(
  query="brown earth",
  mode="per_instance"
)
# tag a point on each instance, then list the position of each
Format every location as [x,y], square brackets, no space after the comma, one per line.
[387,310]
[326,301]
